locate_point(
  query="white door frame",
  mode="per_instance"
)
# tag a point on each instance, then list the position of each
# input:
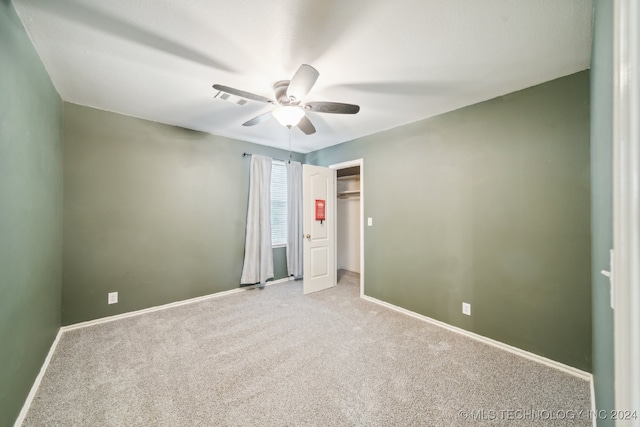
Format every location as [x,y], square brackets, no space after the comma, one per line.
[626,207]
[344,165]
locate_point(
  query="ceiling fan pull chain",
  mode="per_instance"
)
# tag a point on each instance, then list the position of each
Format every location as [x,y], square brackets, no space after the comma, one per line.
[289,145]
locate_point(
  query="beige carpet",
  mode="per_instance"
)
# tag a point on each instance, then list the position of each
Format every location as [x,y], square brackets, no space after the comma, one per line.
[275,357]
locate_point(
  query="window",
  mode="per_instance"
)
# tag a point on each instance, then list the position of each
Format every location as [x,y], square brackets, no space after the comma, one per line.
[278,204]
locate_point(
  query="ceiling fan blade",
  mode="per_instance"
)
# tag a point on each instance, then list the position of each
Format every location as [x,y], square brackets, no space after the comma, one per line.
[302,82]
[332,107]
[306,126]
[242,93]
[258,119]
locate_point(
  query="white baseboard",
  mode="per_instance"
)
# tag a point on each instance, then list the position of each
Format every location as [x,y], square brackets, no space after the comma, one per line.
[515,350]
[166,306]
[36,383]
[45,365]
[531,356]
[593,402]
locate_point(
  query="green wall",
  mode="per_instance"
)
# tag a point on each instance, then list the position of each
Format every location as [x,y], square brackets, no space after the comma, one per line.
[30,214]
[154,212]
[489,205]
[602,203]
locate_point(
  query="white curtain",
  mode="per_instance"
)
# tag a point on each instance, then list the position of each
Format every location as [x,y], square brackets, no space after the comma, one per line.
[258,255]
[294,219]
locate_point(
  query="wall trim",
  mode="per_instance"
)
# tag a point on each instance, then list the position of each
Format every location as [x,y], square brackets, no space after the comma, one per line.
[514,350]
[511,349]
[592,388]
[63,329]
[165,306]
[38,380]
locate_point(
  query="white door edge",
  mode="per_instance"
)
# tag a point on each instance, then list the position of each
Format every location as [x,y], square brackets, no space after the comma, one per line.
[626,207]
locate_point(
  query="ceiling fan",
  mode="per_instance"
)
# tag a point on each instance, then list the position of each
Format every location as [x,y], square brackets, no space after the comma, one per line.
[290,110]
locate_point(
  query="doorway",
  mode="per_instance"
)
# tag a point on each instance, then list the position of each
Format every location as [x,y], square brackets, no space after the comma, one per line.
[349,214]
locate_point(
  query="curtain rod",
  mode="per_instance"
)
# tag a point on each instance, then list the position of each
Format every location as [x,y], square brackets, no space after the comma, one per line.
[249,155]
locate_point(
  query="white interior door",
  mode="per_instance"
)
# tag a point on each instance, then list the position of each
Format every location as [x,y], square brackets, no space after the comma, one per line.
[320,238]
[626,208]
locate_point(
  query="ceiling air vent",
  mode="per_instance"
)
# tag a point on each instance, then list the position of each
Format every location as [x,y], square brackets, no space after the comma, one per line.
[230,98]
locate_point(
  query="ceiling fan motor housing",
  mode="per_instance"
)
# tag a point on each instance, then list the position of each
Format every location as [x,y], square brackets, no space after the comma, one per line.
[280,89]
[289,94]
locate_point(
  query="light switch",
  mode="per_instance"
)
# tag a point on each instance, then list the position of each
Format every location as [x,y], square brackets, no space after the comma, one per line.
[369,221]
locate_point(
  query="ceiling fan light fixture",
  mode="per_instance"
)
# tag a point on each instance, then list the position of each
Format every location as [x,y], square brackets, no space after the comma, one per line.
[288,115]
[289,111]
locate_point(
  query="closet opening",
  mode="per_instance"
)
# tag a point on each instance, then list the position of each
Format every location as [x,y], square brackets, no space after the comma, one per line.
[349,223]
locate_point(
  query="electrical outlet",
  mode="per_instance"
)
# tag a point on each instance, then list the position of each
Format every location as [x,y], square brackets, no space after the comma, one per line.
[112,298]
[466,308]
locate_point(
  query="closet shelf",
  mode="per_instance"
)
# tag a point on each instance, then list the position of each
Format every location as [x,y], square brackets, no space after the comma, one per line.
[349,178]
[344,194]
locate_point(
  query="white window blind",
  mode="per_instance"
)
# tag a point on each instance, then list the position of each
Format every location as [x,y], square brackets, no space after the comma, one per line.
[278,204]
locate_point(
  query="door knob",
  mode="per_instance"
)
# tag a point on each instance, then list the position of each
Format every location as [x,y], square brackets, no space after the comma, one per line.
[308,236]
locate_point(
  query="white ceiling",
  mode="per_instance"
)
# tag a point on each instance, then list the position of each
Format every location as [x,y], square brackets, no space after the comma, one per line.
[401,60]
